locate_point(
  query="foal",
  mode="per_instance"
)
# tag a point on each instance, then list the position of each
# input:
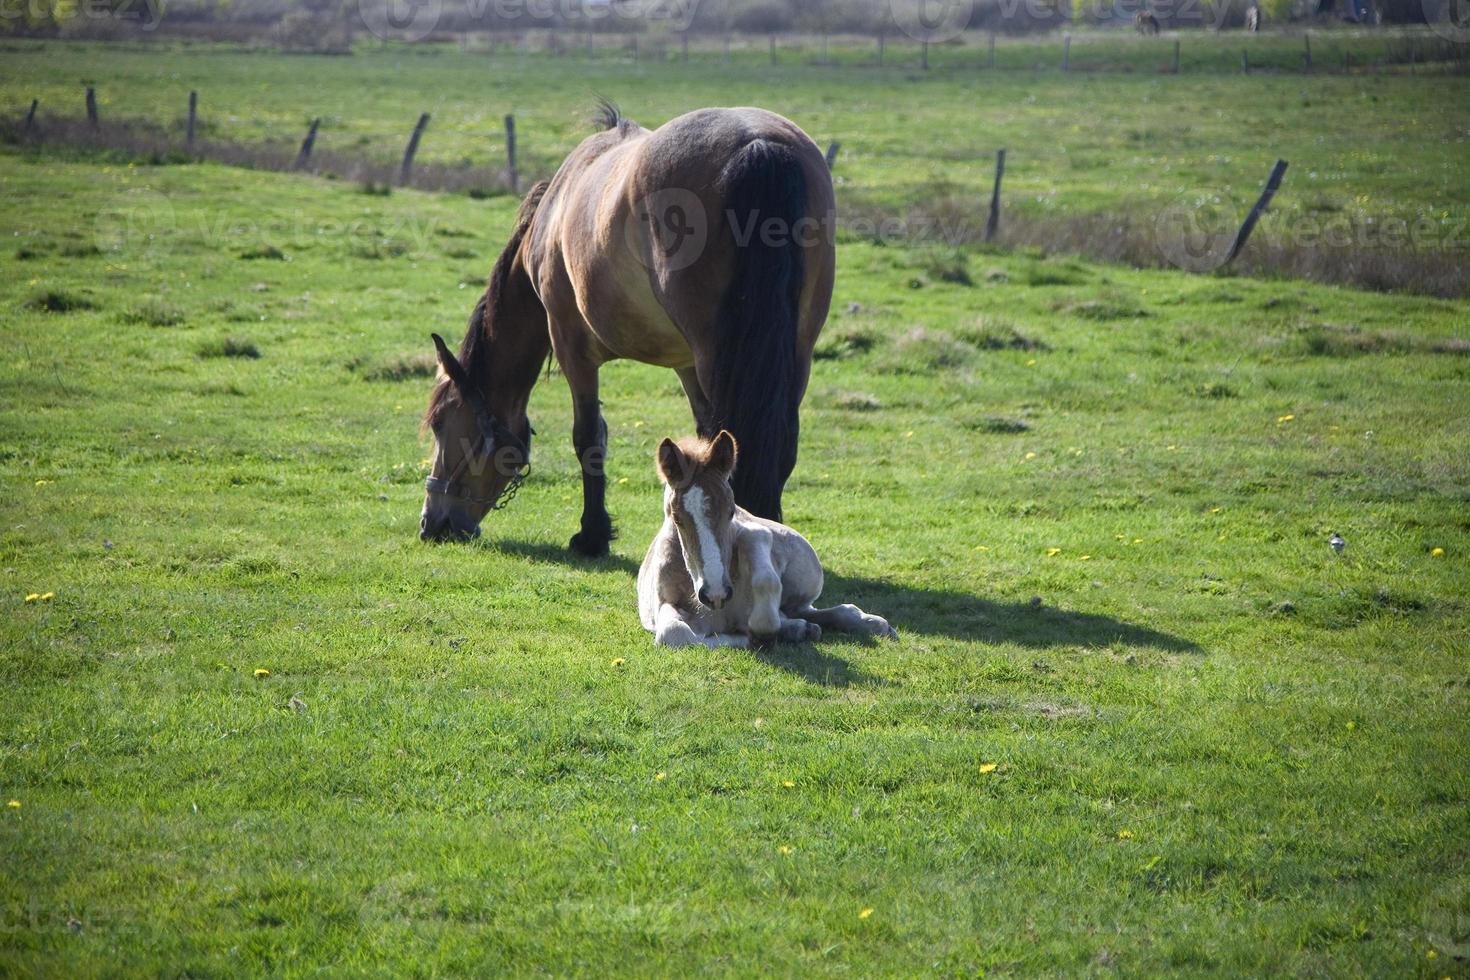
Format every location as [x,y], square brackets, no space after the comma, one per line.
[716,574]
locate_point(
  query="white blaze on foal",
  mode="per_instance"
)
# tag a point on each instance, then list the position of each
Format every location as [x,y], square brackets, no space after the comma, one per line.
[718,575]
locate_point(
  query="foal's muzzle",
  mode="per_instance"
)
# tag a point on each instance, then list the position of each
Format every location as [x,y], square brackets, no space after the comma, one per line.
[716,600]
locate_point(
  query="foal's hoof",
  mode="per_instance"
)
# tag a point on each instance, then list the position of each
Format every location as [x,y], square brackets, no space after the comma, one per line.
[589,545]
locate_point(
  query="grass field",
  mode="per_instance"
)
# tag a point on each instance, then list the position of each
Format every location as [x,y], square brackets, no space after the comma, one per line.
[1363,148]
[1141,719]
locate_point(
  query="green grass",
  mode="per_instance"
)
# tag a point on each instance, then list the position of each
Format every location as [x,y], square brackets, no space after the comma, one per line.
[1094,501]
[1122,144]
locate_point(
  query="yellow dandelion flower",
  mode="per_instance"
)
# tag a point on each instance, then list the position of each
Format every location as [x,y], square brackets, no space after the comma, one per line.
[865,913]
[32,597]
[622,479]
[1085,558]
[990,767]
[1031,363]
[1433,955]
[1053,552]
[261,673]
[1350,726]
[617,661]
[788,784]
[47,596]
[1216,510]
[42,483]
[659,777]
[1282,420]
[1172,448]
[1125,835]
[909,434]
[1030,455]
[14,804]
[1436,552]
[1138,541]
[982,547]
[785,849]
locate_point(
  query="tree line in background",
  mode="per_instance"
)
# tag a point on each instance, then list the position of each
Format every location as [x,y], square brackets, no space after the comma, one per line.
[329,25]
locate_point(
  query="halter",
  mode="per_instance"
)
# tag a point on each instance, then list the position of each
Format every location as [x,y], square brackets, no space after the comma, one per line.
[493,431]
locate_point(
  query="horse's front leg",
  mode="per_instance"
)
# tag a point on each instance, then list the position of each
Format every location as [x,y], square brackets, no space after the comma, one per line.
[589,436]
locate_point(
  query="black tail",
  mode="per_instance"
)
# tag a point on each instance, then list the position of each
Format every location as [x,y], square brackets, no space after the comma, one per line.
[756,382]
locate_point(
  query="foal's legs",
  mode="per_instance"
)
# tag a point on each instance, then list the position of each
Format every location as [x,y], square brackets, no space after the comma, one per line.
[589,436]
[766,622]
[671,629]
[847,618]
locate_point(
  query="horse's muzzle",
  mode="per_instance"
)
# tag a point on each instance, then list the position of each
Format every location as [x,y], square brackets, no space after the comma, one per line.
[445,529]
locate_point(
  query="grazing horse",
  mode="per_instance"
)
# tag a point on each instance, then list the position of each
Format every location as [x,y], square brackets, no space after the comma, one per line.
[719,575]
[705,246]
[1253,18]
[1146,22]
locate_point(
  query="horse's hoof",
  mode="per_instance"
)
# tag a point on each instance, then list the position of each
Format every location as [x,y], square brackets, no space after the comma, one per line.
[589,546]
[763,641]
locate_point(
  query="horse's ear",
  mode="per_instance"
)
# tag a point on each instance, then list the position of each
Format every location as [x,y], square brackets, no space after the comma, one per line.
[672,466]
[452,367]
[723,453]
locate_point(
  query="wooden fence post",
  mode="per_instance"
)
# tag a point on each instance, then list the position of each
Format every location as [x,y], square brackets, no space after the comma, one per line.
[1272,183]
[684,47]
[832,149]
[882,43]
[636,52]
[1066,51]
[303,157]
[990,60]
[727,47]
[92,106]
[773,49]
[406,168]
[924,55]
[512,173]
[992,224]
[1245,61]
[193,113]
[31,115]
[1176,56]
[824,48]
[1307,50]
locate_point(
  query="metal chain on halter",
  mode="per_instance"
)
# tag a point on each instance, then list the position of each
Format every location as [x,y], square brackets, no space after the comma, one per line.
[511,489]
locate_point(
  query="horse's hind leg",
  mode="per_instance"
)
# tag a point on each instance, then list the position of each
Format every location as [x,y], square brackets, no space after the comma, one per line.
[847,618]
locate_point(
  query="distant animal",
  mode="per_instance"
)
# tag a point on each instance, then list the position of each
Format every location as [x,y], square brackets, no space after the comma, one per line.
[1337,542]
[1253,18]
[705,246]
[1146,22]
[719,575]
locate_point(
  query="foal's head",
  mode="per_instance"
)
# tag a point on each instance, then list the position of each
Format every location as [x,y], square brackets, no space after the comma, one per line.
[698,499]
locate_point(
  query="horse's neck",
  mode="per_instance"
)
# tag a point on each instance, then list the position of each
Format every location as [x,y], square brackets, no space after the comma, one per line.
[518,342]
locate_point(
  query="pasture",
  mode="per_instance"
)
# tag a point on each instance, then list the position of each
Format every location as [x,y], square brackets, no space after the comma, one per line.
[1141,717]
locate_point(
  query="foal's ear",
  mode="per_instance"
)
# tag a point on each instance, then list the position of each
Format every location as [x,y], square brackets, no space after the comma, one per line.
[722,454]
[672,466]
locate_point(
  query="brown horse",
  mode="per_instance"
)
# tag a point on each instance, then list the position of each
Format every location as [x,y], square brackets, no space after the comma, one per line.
[705,246]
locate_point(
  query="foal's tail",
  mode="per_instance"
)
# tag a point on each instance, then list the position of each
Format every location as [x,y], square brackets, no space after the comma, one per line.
[756,378]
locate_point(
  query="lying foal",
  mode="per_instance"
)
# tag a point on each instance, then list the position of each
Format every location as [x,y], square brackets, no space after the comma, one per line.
[718,575]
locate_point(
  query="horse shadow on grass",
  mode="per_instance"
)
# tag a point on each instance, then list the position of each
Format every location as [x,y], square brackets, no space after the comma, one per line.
[911,610]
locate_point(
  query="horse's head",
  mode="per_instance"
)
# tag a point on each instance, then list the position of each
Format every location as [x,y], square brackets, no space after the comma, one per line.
[698,499]
[478,461]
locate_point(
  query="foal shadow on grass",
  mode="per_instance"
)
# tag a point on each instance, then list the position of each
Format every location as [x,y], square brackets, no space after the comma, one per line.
[969,617]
